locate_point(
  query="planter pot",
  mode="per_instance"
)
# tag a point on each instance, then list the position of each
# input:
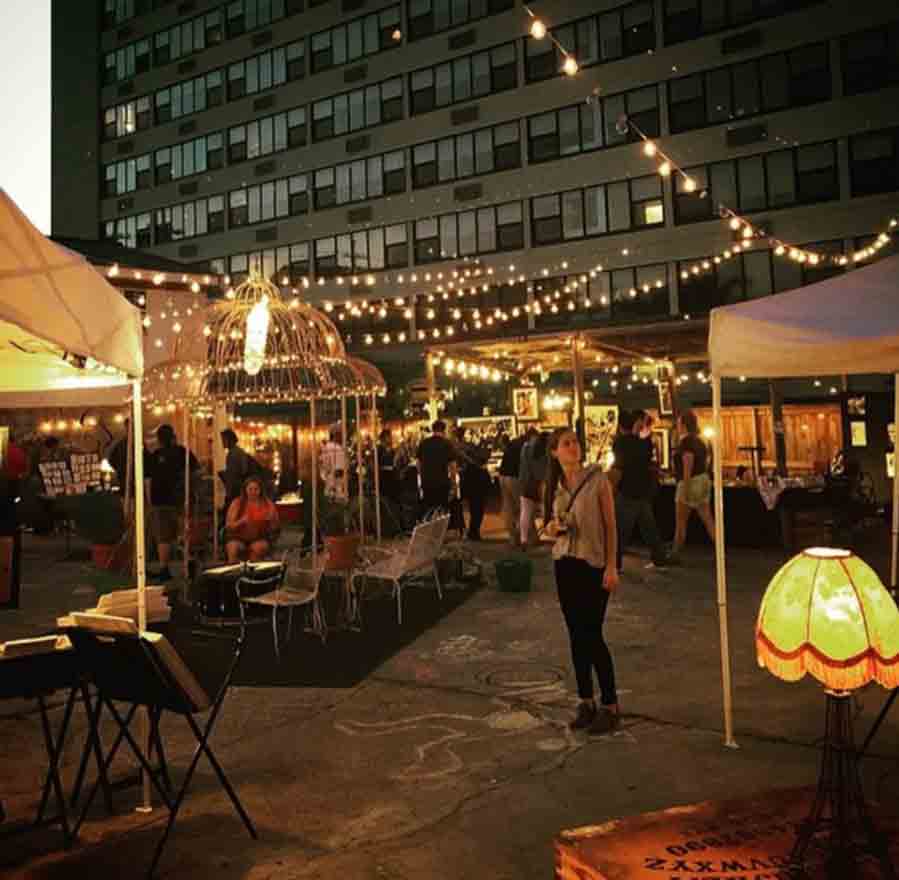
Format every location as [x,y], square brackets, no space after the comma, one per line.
[341,552]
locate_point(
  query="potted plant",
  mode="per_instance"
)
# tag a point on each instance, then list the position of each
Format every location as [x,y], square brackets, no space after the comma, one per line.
[100,520]
[341,534]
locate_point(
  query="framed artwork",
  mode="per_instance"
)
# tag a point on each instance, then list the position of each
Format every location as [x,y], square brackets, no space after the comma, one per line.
[661,442]
[855,406]
[859,433]
[525,404]
[666,398]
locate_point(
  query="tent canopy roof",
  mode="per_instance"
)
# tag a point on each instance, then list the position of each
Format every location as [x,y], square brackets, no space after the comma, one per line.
[62,327]
[848,324]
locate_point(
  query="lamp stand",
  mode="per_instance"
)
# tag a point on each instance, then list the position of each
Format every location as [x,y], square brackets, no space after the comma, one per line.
[839,823]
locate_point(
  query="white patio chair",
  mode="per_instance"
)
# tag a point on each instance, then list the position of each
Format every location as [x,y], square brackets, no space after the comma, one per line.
[419,555]
[298,587]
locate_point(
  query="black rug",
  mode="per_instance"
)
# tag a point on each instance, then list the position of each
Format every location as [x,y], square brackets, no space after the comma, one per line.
[345,659]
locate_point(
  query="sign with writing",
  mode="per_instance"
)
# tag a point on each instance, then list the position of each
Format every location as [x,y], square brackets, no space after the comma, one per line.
[747,839]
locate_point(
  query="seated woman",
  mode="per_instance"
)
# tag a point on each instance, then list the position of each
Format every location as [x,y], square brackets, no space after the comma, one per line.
[251,524]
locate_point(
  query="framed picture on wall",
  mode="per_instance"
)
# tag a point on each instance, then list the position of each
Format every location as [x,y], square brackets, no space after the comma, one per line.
[666,398]
[661,442]
[859,433]
[525,404]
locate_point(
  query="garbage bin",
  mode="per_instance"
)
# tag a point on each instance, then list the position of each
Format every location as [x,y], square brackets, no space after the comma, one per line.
[514,574]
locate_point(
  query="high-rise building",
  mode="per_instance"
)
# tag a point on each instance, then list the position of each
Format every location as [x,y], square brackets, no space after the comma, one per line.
[381,142]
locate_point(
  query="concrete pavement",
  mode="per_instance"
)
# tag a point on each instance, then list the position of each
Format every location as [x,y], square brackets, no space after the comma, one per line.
[452,759]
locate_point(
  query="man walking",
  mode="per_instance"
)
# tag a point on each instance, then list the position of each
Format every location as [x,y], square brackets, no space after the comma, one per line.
[531,474]
[237,466]
[167,472]
[511,487]
[436,463]
[633,498]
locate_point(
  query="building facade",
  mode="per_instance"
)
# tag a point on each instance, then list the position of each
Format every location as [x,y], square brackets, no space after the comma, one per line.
[372,153]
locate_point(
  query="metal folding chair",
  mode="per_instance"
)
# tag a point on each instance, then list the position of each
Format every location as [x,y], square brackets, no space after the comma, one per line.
[143,669]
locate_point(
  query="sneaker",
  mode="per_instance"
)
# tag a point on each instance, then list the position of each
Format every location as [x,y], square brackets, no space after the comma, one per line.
[605,721]
[586,714]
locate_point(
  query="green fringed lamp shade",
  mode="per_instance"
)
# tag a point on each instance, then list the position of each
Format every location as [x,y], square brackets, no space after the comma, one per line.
[826,613]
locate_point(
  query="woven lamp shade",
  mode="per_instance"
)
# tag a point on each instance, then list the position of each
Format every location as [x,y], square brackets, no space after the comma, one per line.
[826,613]
[304,357]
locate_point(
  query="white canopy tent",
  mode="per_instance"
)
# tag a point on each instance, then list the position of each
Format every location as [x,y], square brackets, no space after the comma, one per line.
[66,333]
[842,326]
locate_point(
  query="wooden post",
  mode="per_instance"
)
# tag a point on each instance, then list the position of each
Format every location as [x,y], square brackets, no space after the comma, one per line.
[777,418]
[313,450]
[432,389]
[186,432]
[577,367]
[295,446]
[219,423]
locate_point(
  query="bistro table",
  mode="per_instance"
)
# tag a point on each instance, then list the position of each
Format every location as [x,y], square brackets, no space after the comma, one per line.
[214,591]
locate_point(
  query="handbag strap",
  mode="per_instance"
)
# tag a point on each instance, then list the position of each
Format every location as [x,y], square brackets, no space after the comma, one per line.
[590,474]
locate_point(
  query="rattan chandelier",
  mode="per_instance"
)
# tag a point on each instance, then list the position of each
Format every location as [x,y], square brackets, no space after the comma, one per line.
[261,348]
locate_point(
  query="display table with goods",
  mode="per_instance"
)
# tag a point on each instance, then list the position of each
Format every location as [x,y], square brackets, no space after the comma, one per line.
[798,512]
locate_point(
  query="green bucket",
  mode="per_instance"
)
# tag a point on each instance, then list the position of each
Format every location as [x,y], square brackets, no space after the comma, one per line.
[514,575]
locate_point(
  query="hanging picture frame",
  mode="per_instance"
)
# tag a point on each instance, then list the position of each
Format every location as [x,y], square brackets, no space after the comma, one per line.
[525,404]
[666,398]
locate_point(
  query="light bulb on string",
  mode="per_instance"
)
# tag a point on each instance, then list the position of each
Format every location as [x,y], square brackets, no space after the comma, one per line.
[570,67]
[538,29]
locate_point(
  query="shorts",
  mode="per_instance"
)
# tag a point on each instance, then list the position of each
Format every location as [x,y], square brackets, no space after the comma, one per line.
[166,522]
[694,492]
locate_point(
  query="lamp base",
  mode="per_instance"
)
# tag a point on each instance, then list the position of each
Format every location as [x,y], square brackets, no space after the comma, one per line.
[839,823]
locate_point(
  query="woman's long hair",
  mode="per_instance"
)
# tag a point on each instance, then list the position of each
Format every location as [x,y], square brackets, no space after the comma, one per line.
[244,498]
[553,471]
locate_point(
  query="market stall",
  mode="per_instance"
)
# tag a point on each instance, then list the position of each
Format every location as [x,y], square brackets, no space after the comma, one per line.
[66,336]
[845,325]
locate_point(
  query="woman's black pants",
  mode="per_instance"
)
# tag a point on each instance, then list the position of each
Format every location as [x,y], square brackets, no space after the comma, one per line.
[584,602]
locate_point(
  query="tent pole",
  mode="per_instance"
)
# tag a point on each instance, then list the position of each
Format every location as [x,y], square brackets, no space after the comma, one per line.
[359,467]
[313,451]
[895,485]
[186,433]
[345,479]
[376,464]
[140,560]
[720,567]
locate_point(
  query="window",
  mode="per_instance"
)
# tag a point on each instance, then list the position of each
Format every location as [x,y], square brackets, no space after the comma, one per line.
[871,59]
[126,62]
[594,126]
[433,16]
[193,157]
[466,155]
[362,179]
[597,210]
[125,119]
[775,82]
[743,276]
[361,108]
[789,274]
[192,96]
[268,201]
[127,176]
[803,175]
[117,11]
[874,162]
[688,19]
[478,231]
[462,79]
[258,73]
[187,38]
[356,39]
[627,30]
[191,219]
[261,137]
[361,251]
[247,15]
[129,232]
